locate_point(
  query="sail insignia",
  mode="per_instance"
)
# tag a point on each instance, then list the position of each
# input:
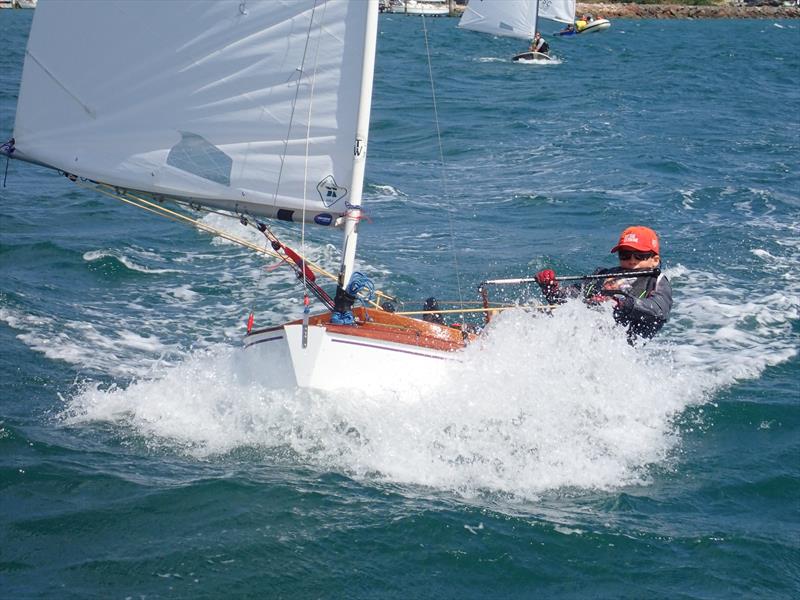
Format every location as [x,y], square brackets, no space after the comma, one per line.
[329,192]
[196,155]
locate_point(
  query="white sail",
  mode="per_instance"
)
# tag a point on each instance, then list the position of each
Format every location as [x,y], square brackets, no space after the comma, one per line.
[510,18]
[239,104]
[562,11]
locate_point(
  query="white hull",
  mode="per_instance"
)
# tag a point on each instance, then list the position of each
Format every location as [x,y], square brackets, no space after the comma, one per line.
[531,56]
[596,25]
[334,360]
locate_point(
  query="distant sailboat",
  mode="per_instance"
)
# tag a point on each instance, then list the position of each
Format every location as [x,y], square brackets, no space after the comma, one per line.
[516,18]
[257,108]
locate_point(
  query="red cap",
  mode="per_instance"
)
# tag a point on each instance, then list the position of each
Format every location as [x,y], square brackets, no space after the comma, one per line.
[638,238]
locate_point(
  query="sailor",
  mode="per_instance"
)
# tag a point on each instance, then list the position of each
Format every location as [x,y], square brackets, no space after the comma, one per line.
[642,304]
[581,23]
[432,314]
[539,44]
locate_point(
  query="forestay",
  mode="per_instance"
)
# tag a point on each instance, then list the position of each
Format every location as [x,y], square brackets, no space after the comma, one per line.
[510,18]
[248,106]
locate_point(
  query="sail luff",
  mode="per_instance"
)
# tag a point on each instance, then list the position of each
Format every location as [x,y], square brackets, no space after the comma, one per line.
[353,215]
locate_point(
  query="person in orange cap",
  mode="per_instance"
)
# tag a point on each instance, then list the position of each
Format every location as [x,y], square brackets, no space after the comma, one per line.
[642,302]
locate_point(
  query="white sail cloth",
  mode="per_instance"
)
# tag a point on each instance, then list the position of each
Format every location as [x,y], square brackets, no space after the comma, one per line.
[244,105]
[514,18]
[562,11]
[509,18]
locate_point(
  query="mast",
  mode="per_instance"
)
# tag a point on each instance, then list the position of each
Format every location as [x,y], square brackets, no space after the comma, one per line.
[535,17]
[353,215]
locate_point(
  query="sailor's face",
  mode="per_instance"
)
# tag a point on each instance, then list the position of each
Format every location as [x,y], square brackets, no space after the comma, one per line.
[631,259]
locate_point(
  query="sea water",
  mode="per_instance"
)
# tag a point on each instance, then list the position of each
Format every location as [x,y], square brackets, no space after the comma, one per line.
[145,455]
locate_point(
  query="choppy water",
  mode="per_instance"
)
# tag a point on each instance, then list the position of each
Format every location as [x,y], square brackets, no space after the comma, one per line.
[145,456]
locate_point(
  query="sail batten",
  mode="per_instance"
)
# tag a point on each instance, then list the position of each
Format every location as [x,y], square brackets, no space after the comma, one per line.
[204,101]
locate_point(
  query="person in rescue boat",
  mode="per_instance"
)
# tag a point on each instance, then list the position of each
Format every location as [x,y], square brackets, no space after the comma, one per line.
[539,44]
[642,304]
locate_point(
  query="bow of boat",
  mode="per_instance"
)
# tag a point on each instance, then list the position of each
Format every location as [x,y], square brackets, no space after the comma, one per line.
[381,349]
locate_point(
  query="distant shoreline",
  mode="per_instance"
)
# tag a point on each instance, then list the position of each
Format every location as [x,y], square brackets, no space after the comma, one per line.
[682,11]
[609,10]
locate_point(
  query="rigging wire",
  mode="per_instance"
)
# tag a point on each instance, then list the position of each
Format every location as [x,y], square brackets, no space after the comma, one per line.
[360,282]
[163,211]
[308,128]
[441,159]
[263,228]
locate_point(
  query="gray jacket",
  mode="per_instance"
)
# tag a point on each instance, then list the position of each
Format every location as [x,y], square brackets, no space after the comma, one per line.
[643,309]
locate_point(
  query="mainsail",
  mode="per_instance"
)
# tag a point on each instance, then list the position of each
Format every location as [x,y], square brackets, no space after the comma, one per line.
[562,11]
[509,18]
[242,105]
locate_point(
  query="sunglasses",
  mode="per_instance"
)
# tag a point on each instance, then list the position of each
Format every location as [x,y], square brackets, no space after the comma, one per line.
[627,255]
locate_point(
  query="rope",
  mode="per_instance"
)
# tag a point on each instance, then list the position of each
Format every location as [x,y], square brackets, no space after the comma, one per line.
[8,150]
[163,211]
[479,310]
[360,282]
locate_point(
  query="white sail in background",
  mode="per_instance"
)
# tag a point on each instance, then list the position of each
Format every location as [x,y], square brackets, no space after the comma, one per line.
[243,105]
[562,11]
[510,18]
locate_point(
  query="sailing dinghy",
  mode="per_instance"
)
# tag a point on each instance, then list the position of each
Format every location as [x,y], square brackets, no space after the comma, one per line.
[517,19]
[260,109]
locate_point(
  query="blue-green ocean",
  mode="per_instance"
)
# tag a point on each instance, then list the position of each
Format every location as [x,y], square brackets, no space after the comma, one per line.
[142,456]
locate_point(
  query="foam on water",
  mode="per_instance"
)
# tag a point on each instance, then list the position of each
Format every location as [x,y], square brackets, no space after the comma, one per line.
[86,344]
[553,60]
[542,402]
[131,264]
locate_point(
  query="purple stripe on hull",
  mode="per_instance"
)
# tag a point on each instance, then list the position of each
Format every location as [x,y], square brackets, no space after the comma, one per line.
[392,349]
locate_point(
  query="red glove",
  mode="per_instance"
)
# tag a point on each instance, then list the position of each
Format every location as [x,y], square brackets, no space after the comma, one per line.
[547,281]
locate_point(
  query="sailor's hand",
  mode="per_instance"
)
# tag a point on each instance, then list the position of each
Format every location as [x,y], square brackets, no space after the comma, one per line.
[547,279]
[597,299]
[623,302]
